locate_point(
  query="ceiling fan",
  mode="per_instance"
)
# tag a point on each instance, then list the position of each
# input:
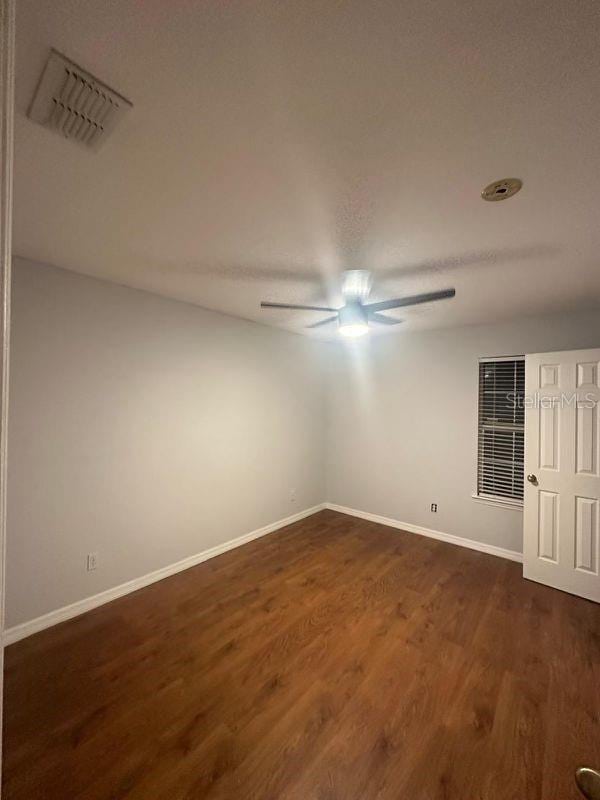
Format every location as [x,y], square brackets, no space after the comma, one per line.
[354,316]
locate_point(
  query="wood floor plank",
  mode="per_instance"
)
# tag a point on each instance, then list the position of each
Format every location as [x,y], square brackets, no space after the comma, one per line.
[334,660]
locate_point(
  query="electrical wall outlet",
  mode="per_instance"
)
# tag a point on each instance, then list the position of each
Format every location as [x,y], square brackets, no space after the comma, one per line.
[92,562]
[434,508]
[292,495]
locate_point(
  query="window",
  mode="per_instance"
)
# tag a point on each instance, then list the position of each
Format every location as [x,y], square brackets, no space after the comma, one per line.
[501,440]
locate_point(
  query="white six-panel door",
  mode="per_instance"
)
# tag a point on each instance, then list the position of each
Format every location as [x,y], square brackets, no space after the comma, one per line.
[562,467]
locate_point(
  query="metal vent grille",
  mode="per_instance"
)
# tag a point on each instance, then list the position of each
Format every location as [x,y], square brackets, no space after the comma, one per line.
[75,104]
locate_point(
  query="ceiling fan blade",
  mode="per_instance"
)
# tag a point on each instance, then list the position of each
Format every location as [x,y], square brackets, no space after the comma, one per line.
[301,308]
[382,319]
[327,321]
[411,301]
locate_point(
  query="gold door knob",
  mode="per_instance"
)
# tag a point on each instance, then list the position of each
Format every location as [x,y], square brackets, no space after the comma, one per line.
[588,781]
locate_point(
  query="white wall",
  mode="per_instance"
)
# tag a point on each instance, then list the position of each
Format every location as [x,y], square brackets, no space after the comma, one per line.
[146,430]
[403,422]
[149,430]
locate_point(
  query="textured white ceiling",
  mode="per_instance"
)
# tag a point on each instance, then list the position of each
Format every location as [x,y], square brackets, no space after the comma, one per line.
[274,144]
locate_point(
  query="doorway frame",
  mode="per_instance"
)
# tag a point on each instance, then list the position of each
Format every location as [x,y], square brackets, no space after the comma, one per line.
[7,93]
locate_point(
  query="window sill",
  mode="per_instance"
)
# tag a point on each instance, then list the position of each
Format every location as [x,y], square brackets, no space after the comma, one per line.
[513,505]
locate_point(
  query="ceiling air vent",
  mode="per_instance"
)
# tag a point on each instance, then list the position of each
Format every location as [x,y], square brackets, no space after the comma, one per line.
[73,103]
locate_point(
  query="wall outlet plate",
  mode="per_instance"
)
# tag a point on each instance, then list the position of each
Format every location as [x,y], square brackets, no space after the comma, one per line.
[92,562]
[434,508]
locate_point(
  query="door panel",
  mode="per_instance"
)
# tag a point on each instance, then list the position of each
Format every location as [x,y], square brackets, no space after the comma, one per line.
[548,438]
[561,542]
[587,375]
[548,526]
[586,534]
[587,441]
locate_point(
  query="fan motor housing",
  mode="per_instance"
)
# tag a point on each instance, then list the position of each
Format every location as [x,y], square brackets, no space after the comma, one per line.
[352,314]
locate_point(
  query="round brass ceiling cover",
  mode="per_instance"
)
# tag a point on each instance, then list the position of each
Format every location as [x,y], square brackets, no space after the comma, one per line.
[502,190]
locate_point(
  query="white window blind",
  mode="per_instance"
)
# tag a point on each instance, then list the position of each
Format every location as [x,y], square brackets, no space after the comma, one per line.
[500,453]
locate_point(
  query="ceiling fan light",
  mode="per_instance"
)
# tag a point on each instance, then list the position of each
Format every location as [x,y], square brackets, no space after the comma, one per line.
[353,320]
[354,331]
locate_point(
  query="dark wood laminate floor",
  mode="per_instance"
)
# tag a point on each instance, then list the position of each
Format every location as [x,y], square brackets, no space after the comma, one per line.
[333,660]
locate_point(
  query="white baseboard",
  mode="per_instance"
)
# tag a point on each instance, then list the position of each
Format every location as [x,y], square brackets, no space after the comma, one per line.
[491,549]
[19,632]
